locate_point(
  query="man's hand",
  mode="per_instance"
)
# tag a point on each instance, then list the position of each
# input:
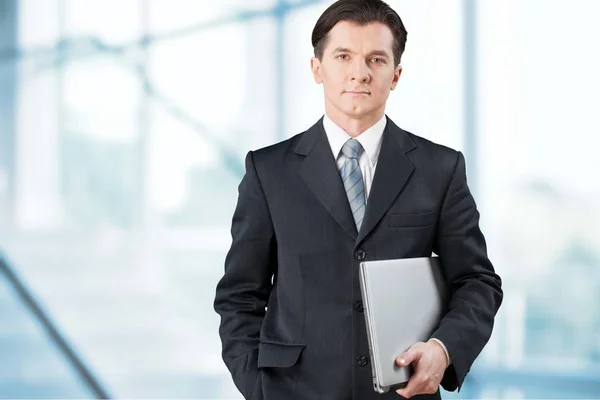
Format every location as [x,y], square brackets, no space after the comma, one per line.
[429,362]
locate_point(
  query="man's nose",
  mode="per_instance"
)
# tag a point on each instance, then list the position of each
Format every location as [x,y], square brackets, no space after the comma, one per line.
[360,72]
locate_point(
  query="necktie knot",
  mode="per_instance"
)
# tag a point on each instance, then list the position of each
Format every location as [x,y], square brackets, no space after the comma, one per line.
[351,148]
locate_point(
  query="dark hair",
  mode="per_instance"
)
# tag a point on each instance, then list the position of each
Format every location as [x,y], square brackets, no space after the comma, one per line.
[361,12]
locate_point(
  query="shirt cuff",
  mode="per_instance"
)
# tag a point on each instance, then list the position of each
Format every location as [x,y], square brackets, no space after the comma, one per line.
[448,359]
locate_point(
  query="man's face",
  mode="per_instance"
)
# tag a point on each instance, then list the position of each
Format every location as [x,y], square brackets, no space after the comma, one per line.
[357,69]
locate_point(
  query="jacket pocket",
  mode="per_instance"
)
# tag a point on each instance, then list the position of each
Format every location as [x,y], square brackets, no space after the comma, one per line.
[412,220]
[278,355]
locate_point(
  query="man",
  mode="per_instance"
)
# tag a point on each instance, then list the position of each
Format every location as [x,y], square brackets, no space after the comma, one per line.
[353,187]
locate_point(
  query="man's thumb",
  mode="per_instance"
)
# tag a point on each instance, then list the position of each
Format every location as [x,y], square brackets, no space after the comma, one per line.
[406,358]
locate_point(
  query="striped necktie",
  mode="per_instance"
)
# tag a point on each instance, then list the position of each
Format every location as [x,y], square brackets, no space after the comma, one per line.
[353,180]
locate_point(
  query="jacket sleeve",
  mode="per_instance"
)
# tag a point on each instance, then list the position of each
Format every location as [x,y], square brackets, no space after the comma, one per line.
[474,287]
[243,291]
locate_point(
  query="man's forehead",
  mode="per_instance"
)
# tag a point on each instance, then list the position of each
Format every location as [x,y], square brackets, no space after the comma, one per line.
[347,34]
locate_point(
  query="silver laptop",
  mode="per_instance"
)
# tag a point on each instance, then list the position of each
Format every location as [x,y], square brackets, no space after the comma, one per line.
[404,300]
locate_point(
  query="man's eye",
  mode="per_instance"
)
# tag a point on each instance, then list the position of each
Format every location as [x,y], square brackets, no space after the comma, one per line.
[377,60]
[343,56]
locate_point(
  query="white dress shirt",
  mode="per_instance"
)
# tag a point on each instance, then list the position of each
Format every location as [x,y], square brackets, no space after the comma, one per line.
[370,140]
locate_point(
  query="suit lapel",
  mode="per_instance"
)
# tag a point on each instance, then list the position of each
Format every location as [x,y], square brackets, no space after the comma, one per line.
[391,175]
[319,171]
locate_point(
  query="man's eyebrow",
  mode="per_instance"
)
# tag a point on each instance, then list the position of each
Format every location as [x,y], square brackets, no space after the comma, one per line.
[342,50]
[382,53]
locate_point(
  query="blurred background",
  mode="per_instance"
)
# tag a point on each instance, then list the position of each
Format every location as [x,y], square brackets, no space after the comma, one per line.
[123,128]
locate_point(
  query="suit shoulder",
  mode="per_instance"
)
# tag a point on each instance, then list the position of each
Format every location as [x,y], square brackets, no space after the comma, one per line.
[431,146]
[276,151]
[444,156]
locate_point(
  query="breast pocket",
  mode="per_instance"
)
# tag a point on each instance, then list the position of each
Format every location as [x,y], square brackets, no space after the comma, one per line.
[412,220]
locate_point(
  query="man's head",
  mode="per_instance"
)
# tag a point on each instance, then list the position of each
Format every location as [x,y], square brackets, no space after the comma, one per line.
[358,45]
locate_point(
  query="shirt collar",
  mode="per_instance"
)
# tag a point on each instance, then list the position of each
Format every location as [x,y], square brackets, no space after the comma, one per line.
[370,139]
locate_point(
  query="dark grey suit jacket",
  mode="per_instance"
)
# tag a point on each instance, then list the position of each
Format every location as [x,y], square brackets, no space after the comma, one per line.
[296,252]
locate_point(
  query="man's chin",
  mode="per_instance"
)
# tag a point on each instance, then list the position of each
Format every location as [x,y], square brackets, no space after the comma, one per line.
[358,112]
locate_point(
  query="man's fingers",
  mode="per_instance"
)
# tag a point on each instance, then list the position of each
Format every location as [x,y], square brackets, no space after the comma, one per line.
[425,379]
[411,388]
[419,383]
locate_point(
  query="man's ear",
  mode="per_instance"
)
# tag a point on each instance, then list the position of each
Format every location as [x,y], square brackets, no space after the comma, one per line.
[396,77]
[315,66]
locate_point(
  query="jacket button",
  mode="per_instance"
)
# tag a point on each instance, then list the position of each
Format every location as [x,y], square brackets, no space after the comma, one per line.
[358,306]
[360,254]
[362,361]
